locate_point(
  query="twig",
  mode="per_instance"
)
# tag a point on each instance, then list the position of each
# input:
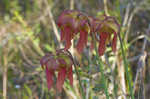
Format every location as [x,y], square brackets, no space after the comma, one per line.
[126,16]
[141,64]
[136,9]
[121,75]
[105,7]
[48,9]
[5,76]
[71,4]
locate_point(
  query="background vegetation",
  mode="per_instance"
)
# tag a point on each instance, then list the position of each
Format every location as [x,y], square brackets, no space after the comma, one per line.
[28,30]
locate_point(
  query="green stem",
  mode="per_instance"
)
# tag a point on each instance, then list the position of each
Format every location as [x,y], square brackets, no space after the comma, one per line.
[113,79]
[80,84]
[104,82]
[103,77]
[78,75]
[126,67]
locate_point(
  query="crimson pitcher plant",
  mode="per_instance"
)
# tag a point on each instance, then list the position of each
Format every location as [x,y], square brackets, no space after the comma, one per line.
[60,62]
[72,22]
[105,27]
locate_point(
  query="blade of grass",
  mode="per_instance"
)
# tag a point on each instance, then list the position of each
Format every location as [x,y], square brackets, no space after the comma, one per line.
[113,77]
[104,82]
[126,67]
[78,76]
[80,84]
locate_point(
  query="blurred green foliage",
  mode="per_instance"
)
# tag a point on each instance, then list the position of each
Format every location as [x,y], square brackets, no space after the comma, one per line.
[26,33]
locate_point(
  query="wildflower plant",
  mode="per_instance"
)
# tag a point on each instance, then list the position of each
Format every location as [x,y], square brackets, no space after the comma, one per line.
[105,27]
[60,62]
[102,29]
[72,22]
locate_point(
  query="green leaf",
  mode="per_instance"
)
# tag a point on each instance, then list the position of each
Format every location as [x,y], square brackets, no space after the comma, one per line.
[29,92]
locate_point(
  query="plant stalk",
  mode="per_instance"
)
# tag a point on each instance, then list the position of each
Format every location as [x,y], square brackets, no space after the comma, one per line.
[80,83]
[126,67]
[104,82]
[78,76]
